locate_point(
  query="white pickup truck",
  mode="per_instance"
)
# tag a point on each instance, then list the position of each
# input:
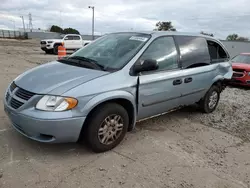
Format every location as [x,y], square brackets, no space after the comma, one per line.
[70,42]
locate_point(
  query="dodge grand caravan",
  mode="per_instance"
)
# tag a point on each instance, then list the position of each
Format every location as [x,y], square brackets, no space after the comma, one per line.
[102,90]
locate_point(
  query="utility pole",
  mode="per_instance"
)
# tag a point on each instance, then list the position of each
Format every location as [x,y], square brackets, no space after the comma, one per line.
[23,23]
[93,21]
[30,22]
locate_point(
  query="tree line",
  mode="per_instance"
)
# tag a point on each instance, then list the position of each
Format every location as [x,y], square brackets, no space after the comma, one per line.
[57,29]
[167,26]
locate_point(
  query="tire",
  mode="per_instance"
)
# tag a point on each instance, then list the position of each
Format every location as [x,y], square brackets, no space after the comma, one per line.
[47,51]
[55,49]
[98,130]
[51,51]
[205,104]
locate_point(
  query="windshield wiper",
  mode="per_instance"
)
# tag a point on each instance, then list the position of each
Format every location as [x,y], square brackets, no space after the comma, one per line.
[82,58]
[85,59]
[77,63]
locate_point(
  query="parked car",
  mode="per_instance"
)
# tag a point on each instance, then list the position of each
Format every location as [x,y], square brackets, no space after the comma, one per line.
[70,42]
[86,42]
[102,90]
[241,69]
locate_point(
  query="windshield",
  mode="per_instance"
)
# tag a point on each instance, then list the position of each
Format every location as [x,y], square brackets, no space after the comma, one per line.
[59,37]
[242,58]
[113,51]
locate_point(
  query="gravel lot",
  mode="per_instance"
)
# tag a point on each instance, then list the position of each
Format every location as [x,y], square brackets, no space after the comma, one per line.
[183,149]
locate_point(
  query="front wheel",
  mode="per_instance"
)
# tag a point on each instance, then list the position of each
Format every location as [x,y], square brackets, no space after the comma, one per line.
[55,50]
[210,101]
[107,127]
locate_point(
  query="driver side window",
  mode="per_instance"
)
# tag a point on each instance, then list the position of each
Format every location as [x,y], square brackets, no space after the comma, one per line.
[163,50]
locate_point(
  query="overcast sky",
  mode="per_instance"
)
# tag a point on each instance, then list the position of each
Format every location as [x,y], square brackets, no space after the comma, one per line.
[220,17]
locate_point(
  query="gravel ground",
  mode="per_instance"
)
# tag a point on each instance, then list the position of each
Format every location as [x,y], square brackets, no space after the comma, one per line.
[183,149]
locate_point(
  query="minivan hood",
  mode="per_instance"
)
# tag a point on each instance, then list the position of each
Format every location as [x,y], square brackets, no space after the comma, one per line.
[55,78]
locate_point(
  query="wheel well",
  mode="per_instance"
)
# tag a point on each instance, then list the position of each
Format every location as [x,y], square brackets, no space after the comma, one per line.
[57,44]
[123,102]
[219,83]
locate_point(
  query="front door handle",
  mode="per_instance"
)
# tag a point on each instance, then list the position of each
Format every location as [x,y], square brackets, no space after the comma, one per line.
[187,80]
[177,82]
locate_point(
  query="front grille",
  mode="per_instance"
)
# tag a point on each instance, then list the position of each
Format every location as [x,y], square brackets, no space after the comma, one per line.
[12,86]
[7,96]
[15,103]
[238,75]
[23,94]
[43,42]
[238,70]
[20,94]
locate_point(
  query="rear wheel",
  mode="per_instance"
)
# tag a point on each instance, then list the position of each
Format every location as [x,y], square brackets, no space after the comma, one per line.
[210,101]
[107,127]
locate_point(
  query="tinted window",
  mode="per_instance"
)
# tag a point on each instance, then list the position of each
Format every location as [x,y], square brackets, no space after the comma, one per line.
[193,51]
[217,53]
[242,58]
[162,50]
[76,37]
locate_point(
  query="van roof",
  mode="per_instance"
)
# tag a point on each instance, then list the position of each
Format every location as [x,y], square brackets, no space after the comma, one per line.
[164,33]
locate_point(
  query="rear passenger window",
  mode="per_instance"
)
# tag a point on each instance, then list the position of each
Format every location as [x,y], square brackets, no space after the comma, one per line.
[163,50]
[76,37]
[217,53]
[193,50]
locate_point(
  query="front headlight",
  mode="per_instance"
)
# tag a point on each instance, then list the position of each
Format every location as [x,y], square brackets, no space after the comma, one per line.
[56,103]
[50,41]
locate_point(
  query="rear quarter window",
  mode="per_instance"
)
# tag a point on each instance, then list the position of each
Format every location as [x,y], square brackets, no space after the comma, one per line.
[76,38]
[193,51]
[217,52]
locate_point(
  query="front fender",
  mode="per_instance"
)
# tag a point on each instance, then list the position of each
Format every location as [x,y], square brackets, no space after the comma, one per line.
[107,96]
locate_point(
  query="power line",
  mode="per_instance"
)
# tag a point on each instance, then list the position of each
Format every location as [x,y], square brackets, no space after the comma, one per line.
[184,18]
[102,14]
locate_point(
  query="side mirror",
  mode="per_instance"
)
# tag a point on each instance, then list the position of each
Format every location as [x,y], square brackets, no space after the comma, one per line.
[146,65]
[66,38]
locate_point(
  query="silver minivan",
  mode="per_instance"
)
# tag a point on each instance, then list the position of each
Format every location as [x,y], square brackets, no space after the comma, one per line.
[99,93]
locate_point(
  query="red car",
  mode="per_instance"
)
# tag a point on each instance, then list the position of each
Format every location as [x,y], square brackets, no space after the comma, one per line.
[241,69]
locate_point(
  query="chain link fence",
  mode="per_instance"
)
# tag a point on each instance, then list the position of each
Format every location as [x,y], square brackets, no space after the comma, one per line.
[13,34]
